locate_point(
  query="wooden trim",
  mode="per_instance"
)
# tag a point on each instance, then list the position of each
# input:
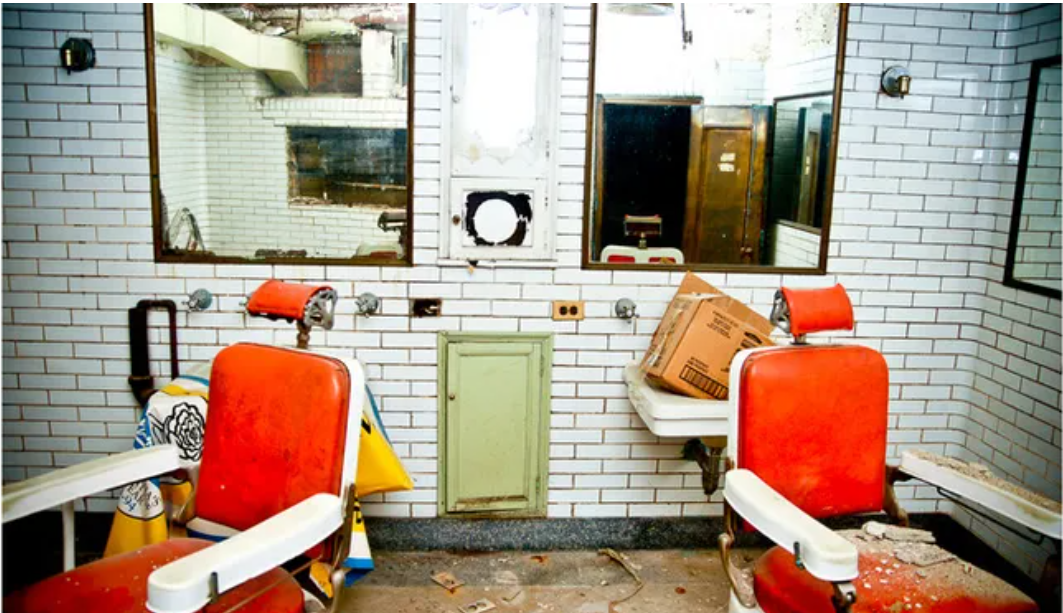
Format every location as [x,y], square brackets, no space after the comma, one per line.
[153,133]
[775,101]
[835,137]
[695,170]
[546,341]
[828,199]
[157,221]
[1020,185]
[599,175]
[589,149]
[800,226]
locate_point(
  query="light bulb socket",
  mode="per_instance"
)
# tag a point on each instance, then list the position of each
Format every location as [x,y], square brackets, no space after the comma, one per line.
[896,82]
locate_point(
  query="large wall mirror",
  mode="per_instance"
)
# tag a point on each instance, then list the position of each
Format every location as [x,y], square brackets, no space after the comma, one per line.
[1034,260]
[712,135]
[281,132]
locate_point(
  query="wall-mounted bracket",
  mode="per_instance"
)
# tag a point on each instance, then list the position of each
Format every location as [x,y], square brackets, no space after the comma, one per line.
[708,453]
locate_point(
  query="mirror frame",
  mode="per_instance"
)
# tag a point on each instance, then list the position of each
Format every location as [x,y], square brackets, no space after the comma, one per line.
[197,258]
[1020,184]
[828,204]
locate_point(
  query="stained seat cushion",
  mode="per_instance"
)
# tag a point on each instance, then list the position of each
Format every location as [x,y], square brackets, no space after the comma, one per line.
[886,585]
[119,584]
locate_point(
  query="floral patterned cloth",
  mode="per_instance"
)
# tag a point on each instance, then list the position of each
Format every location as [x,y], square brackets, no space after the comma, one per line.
[175,415]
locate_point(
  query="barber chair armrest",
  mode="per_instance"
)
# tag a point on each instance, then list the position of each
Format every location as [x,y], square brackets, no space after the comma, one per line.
[68,484]
[1002,500]
[823,553]
[184,585]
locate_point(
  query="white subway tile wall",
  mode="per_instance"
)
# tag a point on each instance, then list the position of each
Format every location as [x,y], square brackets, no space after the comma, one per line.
[922,207]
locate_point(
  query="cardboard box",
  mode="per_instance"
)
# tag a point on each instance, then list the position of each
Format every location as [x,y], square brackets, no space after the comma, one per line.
[699,335]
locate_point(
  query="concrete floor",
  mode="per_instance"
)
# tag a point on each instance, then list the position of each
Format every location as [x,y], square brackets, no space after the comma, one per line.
[565,582]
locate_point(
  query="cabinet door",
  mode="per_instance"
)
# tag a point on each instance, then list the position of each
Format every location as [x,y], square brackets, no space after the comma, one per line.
[493,450]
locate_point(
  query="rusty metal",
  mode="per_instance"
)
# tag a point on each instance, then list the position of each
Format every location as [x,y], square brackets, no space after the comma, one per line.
[890,504]
[741,581]
[140,378]
[341,544]
[263,590]
[707,453]
[844,597]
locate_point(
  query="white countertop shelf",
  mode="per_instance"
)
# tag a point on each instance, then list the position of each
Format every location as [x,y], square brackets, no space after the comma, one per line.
[672,415]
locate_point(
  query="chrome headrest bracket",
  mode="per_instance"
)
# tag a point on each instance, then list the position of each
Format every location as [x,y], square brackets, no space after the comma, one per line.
[780,317]
[319,313]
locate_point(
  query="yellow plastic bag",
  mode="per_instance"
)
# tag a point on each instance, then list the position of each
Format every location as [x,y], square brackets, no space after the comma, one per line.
[379,469]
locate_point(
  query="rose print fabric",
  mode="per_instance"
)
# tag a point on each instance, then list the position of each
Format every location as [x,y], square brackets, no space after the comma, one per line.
[176,415]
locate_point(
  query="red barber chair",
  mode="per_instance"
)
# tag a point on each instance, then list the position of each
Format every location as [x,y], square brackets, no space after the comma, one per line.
[808,441]
[279,459]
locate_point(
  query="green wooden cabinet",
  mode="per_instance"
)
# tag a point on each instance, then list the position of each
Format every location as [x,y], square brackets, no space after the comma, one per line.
[494,417]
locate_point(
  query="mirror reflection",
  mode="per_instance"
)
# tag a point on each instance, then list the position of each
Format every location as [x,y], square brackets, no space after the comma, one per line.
[1036,256]
[714,131]
[282,130]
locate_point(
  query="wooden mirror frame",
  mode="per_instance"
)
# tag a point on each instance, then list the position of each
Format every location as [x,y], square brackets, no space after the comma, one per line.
[201,258]
[1020,184]
[828,201]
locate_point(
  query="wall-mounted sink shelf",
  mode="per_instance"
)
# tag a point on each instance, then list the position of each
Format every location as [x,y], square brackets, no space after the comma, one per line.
[704,422]
[672,415]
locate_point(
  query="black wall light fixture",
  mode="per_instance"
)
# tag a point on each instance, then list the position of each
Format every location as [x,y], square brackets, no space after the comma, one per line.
[896,81]
[77,55]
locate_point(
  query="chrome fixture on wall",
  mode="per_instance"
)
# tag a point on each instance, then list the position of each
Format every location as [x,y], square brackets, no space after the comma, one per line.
[896,81]
[625,309]
[199,300]
[367,304]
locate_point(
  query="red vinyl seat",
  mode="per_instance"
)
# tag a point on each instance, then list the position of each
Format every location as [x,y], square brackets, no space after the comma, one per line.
[781,587]
[119,585]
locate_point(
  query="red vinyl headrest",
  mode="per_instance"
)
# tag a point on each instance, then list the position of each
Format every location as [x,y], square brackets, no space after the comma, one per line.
[278,299]
[818,310]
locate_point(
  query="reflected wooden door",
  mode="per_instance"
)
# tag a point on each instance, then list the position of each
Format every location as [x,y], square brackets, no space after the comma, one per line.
[726,157]
[809,180]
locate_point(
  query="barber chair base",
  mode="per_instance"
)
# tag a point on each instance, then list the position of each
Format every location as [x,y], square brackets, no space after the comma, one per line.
[119,585]
[885,585]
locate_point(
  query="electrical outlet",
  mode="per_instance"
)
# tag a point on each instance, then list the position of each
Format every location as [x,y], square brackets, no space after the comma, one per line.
[568,310]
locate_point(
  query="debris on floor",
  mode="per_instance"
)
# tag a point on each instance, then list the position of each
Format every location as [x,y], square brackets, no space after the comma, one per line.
[612,554]
[479,606]
[554,582]
[509,599]
[447,580]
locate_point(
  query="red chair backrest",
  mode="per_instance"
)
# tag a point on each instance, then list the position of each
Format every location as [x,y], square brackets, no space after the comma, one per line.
[277,432]
[812,420]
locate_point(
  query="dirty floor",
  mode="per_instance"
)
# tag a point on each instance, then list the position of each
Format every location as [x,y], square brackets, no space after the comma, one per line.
[676,581]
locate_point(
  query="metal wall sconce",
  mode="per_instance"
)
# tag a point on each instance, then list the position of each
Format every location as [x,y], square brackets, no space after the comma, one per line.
[77,55]
[896,81]
[199,300]
[625,309]
[367,304]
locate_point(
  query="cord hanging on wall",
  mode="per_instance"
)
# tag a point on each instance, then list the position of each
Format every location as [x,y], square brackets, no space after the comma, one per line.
[77,55]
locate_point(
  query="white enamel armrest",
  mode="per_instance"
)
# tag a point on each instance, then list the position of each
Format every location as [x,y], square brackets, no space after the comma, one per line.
[825,554]
[1007,503]
[65,485]
[183,586]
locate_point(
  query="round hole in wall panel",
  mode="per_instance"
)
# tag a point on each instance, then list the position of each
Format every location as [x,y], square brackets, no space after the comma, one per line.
[495,220]
[497,217]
